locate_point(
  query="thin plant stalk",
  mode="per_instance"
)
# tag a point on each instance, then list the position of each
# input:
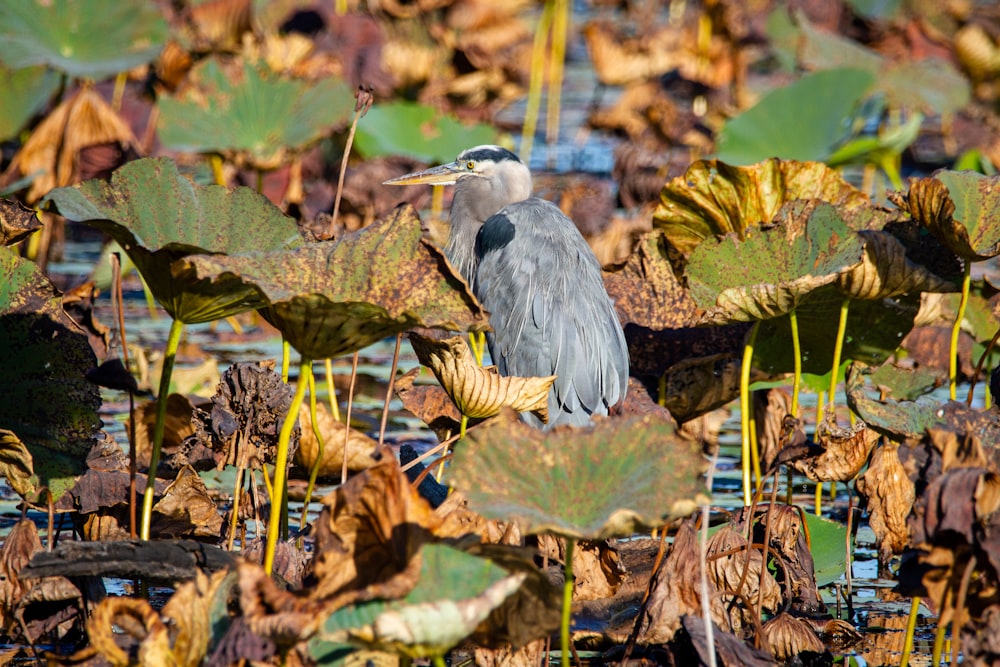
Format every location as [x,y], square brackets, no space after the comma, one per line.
[331,390]
[536,81]
[169,354]
[388,392]
[286,353]
[793,322]
[942,628]
[119,309]
[754,448]
[745,410]
[557,65]
[956,328]
[567,608]
[281,464]
[979,370]
[820,400]
[437,202]
[234,520]
[320,448]
[706,605]
[350,404]
[215,161]
[838,349]
[364,103]
[911,629]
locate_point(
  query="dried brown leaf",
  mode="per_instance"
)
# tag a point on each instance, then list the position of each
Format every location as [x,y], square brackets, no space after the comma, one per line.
[844,451]
[135,619]
[188,613]
[597,568]
[186,509]
[889,494]
[431,404]
[788,636]
[480,392]
[731,561]
[17,222]
[618,61]
[360,447]
[177,427]
[16,464]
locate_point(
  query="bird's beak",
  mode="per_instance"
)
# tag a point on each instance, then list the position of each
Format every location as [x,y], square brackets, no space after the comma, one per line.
[446,174]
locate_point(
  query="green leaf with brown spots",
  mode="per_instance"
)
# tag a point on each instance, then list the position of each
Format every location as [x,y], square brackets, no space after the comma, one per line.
[158,216]
[336,297]
[613,478]
[48,410]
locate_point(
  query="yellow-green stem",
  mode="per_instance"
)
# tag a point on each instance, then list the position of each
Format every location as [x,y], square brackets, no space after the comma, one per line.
[234,518]
[536,81]
[838,349]
[911,629]
[286,354]
[557,64]
[956,328]
[793,321]
[320,447]
[567,610]
[169,354]
[819,499]
[437,201]
[215,161]
[438,661]
[331,390]
[745,410]
[281,464]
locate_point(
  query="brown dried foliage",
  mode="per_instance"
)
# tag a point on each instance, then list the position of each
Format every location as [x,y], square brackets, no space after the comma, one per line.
[888,494]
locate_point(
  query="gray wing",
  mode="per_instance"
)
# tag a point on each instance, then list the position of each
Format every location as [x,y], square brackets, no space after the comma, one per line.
[549,310]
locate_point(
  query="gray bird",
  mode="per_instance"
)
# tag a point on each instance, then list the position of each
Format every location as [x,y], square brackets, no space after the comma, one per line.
[533,271]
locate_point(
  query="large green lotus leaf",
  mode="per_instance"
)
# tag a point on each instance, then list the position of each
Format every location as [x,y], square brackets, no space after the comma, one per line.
[86,39]
[417,130]
[455,592]
[612,479]
[25,92]
[714,199]
[802,121]
[960,208]
[158,217]
[48,410]
[252,112]
[337,297]
[875,327]
[769,271]
[897,419]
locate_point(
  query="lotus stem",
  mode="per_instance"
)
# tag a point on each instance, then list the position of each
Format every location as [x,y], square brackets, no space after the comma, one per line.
[119,311]
[942,627]
[331,390]
[754,448]
[169,354]
[819,499]
[150,300]
[438,661]
[437,201]
[119,91]
[911,628]
[956,328]
[281,464]
[388,392]
[537,80]
[567,610]
[350,405]
[341,7]
[793,322]
[234,520]
[215,161]
[286,353]
[361,107]
[838,350]
[557,64]
[320,448]
[745,410]
[979,370]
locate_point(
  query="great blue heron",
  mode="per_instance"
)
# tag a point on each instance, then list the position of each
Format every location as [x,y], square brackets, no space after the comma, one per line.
[533,271]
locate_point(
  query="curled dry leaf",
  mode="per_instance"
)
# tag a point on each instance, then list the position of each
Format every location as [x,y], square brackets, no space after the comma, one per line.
[886,271]
[134,618]
[597,568]
[889,494]
[17,222]
[732,562]
[480,392]
[177,427]
[788,636]
[430,403]
[619,61]
[842,452]
[360,447]
[186,509]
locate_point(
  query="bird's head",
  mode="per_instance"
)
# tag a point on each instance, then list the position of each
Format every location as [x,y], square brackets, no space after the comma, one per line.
[498,168]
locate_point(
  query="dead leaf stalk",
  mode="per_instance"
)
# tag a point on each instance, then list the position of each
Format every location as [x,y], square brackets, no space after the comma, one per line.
[350,404]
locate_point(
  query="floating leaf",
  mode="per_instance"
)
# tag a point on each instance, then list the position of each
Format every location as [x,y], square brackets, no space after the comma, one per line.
[47,408]
[254,114]
[480,392]
[86,39]
[802,121]
[713,198]
[26,91]
[158,217]
[646,291]
[591,483]
[337,297]
[895,419]
[417,130]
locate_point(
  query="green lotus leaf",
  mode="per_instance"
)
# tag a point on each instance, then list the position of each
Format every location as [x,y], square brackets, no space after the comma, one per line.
[455,592]
[906,384]
[614,478]
[417,130]
[897,419]
[805,120]
[960,208]
[252,113]
[336,297]
[25,92]
[767,273]
[86,39]
[159,217]
[714,199]
[48,410]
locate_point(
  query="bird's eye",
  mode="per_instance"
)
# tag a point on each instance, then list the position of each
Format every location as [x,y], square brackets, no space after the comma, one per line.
[470,165]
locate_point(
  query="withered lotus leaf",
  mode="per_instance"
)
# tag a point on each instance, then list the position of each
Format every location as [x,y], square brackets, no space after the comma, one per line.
[885,271]
[788,636]
[714,199]
[186,508]
[477,391]
[360,447]
[889,494]
[896,419]
[430,403]
[597,482]
[17,222]
[158,216]
[844,451]
[961,209]
[177,426]
[336,297]
[731,561]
